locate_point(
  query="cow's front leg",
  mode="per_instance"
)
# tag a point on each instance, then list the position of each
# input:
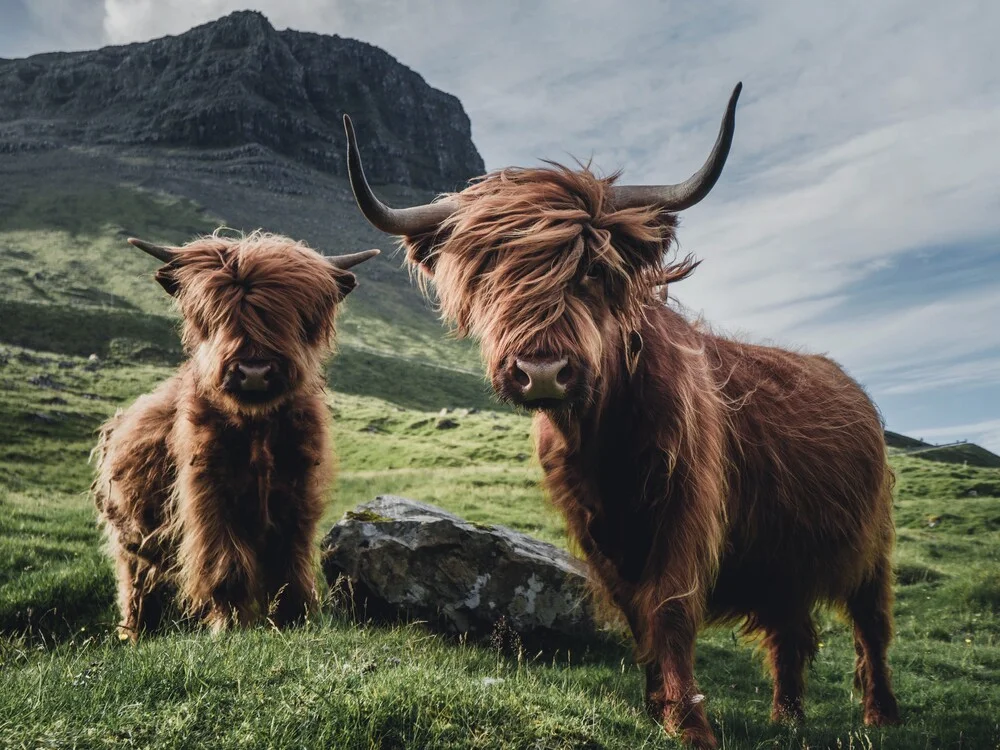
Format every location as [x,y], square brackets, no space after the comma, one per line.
[291,584]
[674,633]
[230,601]
[219,572]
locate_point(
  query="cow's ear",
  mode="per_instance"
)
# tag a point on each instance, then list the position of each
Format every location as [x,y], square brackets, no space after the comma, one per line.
[347,282]
[167,278]
[420,250]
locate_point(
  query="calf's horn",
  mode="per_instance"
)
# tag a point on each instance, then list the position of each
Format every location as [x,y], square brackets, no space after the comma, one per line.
[687,193]
[160,252]
[399,221]
[343,262]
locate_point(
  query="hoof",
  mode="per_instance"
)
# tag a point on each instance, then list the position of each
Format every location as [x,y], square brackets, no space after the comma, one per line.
[882,719]
[883,713]
[699,739]
[790,715]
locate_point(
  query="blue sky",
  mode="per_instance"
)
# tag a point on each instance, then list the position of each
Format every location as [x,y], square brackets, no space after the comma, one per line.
[860,211]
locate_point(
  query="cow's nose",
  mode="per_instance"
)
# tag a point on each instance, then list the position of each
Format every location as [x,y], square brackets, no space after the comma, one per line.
[254,375]
[542,378]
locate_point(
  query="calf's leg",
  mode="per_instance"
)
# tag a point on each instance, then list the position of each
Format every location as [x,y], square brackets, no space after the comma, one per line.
[142,592]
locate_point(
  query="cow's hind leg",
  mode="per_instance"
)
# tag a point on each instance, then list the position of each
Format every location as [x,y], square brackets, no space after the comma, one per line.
[870,607]
[791,644]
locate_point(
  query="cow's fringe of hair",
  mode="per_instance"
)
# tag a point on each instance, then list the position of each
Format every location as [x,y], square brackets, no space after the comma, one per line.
[542,226]
[214,273]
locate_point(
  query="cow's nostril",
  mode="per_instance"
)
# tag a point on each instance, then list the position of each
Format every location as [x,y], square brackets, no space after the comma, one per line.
[521,377]
[542,380]
[254,376]
[565,375]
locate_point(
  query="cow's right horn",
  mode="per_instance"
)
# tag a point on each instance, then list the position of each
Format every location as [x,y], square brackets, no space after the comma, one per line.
[399,221]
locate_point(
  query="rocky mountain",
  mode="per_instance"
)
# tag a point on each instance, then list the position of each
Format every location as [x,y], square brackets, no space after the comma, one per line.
[238,82]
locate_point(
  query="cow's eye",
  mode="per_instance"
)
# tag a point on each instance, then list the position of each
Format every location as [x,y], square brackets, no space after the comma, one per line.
[594,273]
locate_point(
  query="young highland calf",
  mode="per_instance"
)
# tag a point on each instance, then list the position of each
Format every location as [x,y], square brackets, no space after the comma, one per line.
[705,479]
[210,487]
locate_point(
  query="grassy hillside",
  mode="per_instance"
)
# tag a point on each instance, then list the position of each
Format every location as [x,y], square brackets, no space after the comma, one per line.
[961,453]
[63,225]
[67,682]
[70,284]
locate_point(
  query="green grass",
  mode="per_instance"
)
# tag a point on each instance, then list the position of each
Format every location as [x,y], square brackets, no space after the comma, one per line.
[67,682]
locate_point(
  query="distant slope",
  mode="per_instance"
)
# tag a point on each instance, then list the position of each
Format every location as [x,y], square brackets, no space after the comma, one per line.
[70,284]
[959,453]
[895,440]
[952,453]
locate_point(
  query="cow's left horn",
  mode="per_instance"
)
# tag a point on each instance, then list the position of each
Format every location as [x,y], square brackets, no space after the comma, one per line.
[399,221]
[343,262]
[160,252]
[686,194]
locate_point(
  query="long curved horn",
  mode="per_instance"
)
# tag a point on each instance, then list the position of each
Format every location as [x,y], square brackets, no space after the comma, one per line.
[160,252]
[400,221]
[343,262]
[687,193]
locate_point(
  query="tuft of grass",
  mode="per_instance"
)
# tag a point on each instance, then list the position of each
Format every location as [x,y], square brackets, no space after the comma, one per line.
[983,591]
[911,574]
[366,516]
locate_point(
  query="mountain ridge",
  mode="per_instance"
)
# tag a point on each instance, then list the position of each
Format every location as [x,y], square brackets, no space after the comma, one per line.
[238,81]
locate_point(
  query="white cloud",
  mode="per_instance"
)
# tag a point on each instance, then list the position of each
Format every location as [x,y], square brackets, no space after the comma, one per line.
[908,380]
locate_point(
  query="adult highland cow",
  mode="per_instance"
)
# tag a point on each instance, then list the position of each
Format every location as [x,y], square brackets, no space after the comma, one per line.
[210,487]
[705,479]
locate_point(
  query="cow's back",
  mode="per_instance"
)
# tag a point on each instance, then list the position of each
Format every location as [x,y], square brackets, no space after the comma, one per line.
[809,487]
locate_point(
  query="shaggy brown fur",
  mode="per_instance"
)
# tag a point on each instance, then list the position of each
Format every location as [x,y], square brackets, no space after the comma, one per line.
[208,494]
[705,479]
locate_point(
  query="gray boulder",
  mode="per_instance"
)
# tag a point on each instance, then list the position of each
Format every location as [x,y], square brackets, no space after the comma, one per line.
[404,559]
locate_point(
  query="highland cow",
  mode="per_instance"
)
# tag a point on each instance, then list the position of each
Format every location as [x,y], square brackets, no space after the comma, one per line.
[210,487]
[706,480]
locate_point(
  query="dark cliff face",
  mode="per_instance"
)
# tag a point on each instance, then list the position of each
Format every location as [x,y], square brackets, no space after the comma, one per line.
[238,81]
